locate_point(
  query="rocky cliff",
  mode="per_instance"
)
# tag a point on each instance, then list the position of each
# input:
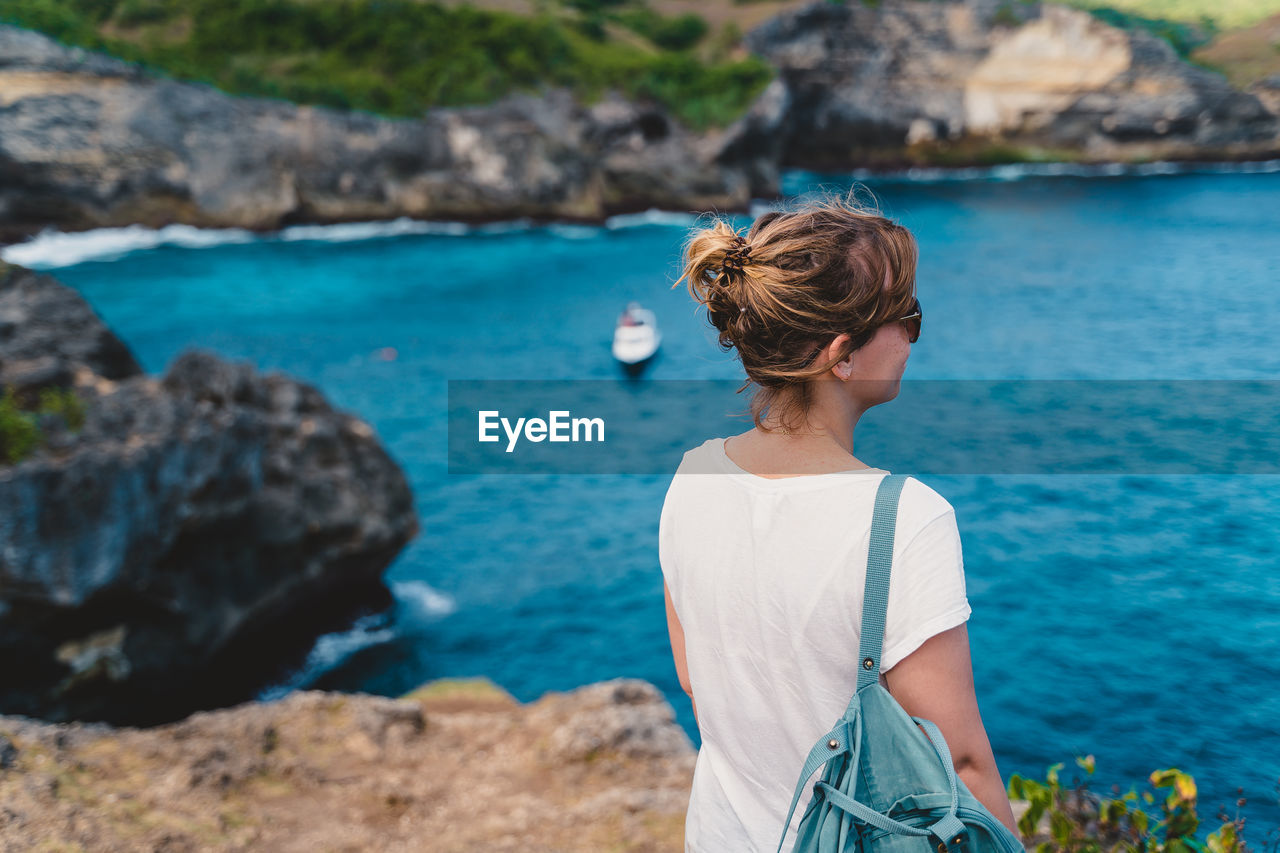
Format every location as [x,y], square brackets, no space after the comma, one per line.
[86,140]
[194,532]
[452,767]
[893,84]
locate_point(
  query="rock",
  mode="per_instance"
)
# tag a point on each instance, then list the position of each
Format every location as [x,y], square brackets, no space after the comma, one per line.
[1267,91]
[198,531]
[895,83]
[378,717]
[304,773]
[627,716]
[48,334]
[87,141]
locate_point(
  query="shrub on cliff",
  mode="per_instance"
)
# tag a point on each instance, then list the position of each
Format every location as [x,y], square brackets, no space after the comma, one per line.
[20,432]
[1076,820]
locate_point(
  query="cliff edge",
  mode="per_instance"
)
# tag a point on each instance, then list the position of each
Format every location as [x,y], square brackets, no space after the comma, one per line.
[456,766]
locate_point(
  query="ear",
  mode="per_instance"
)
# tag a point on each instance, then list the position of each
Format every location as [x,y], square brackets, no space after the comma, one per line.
[840,370]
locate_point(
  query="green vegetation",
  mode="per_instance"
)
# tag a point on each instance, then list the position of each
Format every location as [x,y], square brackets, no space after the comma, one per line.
[1076,820]
[20,432]
[981,152]
[1006,17]
[675,33]
[400,57]
[1185,36]
[1222,14]
[1228,36]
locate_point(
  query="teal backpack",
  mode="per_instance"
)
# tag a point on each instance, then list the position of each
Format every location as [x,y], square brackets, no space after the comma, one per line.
[887,788]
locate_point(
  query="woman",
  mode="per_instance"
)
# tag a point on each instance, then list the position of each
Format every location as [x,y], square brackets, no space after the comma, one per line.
[764,564]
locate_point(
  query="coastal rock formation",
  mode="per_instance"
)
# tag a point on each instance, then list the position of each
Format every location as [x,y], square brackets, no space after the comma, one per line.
[86,141]
[891,84]
[197,529]
[48,334]
[455,766]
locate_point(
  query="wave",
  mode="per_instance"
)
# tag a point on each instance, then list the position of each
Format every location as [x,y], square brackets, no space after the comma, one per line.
[347,232]
[1019,171]
[52,249]
[416,602]
[573,231]
[422,599]
[652,216]
[331,650]
[58,249]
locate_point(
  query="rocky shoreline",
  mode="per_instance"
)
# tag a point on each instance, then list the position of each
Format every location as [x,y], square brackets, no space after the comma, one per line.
[89,141]
[454,766]
[913,83]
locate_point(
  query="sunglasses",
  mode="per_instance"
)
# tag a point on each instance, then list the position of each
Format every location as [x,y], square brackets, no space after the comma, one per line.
[912,321]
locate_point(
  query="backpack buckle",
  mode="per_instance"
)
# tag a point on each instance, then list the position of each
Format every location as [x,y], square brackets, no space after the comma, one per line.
[952,843]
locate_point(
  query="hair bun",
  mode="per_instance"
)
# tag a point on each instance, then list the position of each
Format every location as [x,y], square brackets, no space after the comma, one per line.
[736,258]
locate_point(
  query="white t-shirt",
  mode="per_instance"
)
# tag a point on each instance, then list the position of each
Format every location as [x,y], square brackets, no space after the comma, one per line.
[766,577]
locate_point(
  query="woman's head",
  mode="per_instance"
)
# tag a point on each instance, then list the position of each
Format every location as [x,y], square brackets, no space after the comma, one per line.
[803,290]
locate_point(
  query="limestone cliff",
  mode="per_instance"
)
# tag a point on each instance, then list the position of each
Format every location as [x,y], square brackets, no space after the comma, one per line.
[87,140]
[893,84]
[453,767]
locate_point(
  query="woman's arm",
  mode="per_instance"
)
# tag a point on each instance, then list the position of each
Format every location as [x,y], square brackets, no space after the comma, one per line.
[677,648]
[936,682]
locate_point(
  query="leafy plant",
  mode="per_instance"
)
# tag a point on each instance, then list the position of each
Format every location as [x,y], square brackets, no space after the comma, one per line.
[65,403]
[1076,820]
[19,434]
[20,428]
[672,33]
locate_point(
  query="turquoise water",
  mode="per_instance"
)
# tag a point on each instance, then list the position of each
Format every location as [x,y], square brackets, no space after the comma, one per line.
[1135,618]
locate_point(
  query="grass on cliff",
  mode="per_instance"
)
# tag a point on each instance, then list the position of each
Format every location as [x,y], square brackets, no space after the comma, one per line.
[1219,14]
[1238,38]
[401,57]
[20,433]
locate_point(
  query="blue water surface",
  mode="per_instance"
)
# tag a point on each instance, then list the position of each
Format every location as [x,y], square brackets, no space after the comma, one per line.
[1134,618]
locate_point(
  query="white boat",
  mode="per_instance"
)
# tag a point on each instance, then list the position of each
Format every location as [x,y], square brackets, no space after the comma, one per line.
[636,338]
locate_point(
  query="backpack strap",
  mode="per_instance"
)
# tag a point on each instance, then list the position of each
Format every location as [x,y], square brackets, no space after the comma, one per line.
[875,600]
[840,741]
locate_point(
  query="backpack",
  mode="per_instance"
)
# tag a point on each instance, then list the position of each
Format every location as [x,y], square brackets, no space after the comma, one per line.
[887,787]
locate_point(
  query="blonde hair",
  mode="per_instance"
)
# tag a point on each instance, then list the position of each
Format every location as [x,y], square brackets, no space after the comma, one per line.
[799,278]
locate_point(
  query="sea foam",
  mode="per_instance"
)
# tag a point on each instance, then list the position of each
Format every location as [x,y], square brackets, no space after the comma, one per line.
[52,249]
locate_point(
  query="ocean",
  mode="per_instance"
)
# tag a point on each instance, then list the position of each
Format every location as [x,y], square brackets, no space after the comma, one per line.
[1131,616]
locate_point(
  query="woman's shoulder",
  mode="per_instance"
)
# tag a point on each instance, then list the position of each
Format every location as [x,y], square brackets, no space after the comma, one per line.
[921,504]
[700,459]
